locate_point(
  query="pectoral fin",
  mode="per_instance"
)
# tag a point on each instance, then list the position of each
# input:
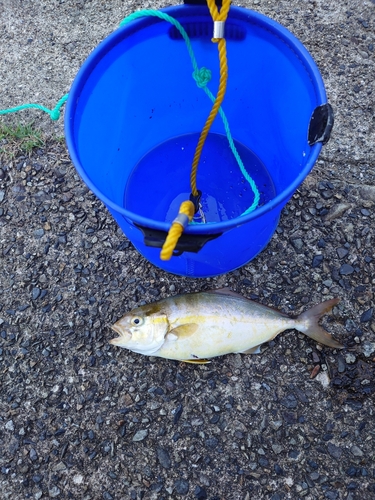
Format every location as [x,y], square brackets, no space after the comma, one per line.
[196,361]
[183,331]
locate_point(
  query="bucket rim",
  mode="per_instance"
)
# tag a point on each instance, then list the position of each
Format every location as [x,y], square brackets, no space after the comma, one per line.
[180,12]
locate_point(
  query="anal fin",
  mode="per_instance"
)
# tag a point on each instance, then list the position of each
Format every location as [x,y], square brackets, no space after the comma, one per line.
[196,361]
[252,350]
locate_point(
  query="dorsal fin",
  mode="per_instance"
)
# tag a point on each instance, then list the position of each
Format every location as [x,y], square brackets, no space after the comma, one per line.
[226,291]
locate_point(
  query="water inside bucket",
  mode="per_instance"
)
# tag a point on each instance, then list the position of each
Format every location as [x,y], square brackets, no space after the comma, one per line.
[161,179]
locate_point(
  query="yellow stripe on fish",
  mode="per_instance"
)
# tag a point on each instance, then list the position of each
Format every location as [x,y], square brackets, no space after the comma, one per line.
[199,326]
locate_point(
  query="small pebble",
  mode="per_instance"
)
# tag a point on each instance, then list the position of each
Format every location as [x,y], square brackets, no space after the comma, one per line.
[317,260]
[54,492]
[322,243]
[181,486]
[140,435]
[357,452]
[316,358]
[276,424]
[277,448]
[341,367]
[205,480]
[294,454]
[297,243]
[331,494]
[212,443]
[334,451]
[346,269]
[38,233]
[289,401]
[368,348]
[323,378]
[200,493]
[352,485]
[215,419]
[163,457]
[278,470]
[342,252]
[327,194]
[177,412]
[367,315]
[350,325]
[9,426]
[350,358]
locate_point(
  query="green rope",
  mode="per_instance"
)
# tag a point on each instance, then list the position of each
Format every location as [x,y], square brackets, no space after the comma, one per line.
[237,156]
[169,19]
[201,76]
[53,113]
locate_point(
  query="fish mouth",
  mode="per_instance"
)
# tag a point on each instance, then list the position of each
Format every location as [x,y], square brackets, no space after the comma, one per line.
[121,335]
[116,328]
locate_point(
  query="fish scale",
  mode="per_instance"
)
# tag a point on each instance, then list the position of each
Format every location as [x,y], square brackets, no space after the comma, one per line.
[226,324]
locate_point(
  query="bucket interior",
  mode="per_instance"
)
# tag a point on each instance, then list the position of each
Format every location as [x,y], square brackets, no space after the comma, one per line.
[138,114]
[162,180]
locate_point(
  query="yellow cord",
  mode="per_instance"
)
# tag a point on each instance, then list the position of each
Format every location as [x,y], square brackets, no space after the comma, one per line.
[216,16]
[187,207]
[175,231]
[212,115]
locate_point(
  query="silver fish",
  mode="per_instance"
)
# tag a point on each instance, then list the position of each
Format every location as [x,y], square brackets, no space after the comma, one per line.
[199,326]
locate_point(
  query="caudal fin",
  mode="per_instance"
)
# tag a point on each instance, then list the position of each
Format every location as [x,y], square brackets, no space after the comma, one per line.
[307,323]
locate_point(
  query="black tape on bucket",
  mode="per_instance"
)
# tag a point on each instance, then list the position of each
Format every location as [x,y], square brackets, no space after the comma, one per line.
[187,242]
[321,124]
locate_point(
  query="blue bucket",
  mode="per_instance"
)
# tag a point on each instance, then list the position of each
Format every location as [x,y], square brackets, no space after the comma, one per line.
[135,113]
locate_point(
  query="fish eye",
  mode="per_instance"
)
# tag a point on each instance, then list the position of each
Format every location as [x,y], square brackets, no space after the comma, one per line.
[137,321]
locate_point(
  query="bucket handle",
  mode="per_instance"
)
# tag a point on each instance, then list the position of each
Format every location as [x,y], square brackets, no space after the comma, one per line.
[321,124]
[187,243]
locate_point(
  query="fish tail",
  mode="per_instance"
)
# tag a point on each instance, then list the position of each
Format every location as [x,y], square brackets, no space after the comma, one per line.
[307,323]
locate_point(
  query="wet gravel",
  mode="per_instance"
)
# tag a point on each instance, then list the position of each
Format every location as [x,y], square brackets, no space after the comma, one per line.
[82,419]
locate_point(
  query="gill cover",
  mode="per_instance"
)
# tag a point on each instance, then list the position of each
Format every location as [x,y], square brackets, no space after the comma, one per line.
[141,333]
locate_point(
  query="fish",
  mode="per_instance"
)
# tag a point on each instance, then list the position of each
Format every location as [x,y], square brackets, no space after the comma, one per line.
[197,327]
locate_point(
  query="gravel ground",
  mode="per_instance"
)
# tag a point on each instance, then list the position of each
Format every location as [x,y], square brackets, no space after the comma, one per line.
[85,420]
